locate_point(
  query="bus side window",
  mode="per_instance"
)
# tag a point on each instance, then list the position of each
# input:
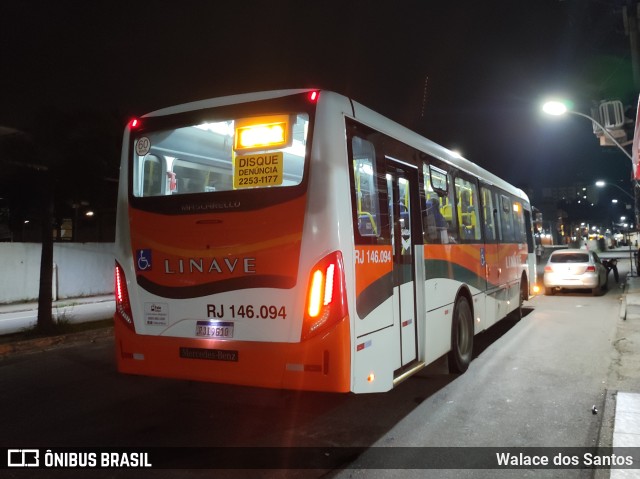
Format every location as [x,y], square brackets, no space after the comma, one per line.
[467,209]
[488,217]
[506,220]
[365,186]
[518,217]
[437,209]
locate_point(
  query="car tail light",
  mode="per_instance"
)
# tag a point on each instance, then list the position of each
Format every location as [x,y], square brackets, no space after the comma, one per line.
[548,269]
[326,302]
[591,269]
[123,305]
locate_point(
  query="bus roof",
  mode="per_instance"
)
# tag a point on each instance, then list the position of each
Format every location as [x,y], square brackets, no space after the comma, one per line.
[404,134]
[364,115]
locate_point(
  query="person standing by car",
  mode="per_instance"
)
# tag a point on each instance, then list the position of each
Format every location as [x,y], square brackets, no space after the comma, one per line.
[612,264]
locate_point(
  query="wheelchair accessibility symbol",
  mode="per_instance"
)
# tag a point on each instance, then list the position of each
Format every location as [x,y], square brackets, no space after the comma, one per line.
[143,259]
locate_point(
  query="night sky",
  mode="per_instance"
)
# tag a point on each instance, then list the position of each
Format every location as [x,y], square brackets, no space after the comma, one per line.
[487,65]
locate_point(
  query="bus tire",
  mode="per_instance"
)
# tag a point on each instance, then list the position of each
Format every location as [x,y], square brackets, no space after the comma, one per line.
[516,314]
[461,352]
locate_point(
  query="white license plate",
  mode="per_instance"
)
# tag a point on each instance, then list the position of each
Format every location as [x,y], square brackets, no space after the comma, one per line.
[214,329]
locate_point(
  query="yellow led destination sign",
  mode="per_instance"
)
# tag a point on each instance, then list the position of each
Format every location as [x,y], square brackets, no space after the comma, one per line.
[262,132]
[259,169]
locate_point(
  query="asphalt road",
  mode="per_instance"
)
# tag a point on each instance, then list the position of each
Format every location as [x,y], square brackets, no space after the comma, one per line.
[532,383]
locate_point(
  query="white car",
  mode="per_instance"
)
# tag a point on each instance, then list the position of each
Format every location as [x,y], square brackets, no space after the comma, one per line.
[574,269]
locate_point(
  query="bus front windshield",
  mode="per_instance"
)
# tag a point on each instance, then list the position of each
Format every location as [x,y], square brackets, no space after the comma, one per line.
[229,155]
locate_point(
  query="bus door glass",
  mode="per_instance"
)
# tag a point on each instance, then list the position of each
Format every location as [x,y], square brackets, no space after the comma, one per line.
[402,185]
[508,238]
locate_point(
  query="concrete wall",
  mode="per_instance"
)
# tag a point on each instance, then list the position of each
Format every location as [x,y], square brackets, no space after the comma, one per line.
[80,269]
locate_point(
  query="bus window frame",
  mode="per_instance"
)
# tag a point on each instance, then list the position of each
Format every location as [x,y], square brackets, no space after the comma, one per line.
[528,226]
[449,171]
[479,226]
[355,129]
[506,211]
[493,211]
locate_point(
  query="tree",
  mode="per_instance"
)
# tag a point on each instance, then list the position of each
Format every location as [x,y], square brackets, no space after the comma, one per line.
[45,290]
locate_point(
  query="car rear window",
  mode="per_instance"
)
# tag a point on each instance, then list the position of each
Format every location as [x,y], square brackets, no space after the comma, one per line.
[570,258]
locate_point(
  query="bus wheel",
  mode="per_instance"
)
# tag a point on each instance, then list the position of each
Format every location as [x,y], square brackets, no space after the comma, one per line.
[461,337]
[516,314]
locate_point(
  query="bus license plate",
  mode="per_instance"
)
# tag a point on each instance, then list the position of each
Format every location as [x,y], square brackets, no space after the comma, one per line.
[211,329]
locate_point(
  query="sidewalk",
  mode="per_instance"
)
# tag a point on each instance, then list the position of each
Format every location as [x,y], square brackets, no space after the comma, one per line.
[621,419]
[33,305]
[627,415]
[95,324]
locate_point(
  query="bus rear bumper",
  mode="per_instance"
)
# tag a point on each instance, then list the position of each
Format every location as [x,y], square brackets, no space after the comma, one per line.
[322,363]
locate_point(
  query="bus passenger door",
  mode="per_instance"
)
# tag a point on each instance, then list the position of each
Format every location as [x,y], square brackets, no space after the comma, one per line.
[402,185]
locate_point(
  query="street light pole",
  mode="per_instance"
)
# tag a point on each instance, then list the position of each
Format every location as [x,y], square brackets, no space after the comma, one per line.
[557,108]
[601,184]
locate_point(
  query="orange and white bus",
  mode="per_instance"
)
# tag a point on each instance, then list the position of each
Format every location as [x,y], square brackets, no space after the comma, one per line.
[297,239]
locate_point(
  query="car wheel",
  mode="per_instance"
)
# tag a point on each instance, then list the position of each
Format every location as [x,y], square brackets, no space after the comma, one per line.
[461,337]
[549,291]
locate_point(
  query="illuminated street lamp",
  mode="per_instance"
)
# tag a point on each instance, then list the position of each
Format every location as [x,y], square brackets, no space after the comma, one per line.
[558,108]
[602,184]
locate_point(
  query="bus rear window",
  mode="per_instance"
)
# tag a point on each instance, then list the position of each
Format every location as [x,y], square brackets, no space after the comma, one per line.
[235,154]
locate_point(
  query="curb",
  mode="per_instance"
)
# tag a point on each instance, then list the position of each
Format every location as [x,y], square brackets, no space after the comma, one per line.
[622,314]
[605,432]
[27,345]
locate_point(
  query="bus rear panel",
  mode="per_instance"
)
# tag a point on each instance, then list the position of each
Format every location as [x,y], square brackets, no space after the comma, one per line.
[211,286]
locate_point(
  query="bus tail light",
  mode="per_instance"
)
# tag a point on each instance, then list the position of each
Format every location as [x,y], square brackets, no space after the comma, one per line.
[123,305]
[326,302]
